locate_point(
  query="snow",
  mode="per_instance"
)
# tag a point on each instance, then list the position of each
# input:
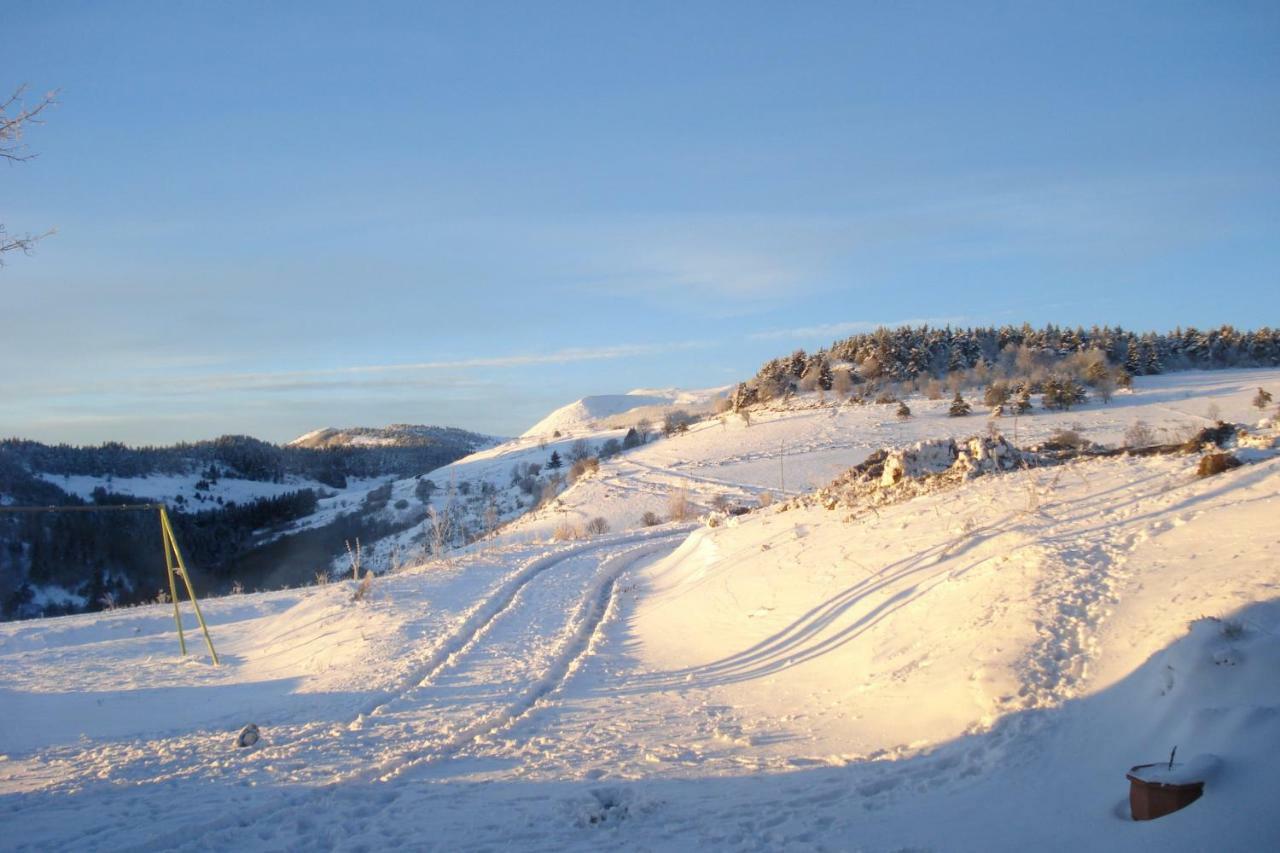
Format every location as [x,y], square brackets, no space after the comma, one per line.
[583,415]
[1201,768]
[166,488]
[976,667]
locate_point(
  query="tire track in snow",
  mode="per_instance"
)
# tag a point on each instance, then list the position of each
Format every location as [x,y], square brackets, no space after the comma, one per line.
[586,622]
[481,617]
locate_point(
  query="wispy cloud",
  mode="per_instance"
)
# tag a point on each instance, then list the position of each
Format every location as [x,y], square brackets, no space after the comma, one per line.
[458,374]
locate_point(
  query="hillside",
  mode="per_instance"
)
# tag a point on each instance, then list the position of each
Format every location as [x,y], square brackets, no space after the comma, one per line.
[591,413]
[248,513]
[395,435]
[932,674]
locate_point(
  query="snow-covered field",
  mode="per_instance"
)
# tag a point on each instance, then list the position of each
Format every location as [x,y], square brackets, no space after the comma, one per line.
[972,669]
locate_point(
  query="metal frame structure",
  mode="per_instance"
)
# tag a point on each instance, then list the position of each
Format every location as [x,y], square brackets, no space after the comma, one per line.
[175,566]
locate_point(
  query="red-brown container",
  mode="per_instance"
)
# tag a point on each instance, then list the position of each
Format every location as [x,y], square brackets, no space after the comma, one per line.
[1149,799]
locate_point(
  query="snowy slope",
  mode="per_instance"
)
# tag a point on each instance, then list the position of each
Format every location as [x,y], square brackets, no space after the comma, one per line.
[586,415]
[972,669]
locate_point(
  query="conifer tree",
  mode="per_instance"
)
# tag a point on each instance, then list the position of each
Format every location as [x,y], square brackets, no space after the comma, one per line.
[554,462]
[1023,406]
[997,394]
[904,412]
[959,408]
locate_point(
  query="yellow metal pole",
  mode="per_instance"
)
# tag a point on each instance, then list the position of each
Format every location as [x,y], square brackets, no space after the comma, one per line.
[173,588]
[186,579]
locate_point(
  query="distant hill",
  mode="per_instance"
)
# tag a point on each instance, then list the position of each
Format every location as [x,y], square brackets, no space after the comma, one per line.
[395,435]
[247,512]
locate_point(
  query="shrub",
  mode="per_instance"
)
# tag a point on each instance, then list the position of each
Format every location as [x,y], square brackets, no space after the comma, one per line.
[1261,399]
[612,447]
[904,411]
[597,526]
[1139,434]
[422,490]
[884,398]
[1066,439]
[583,467]
[1216,463]
[1062,393]
[678,505]
[650,519]
[401,504]
[566,531]
[765,499]
[377,498]
[676,422]
[997,394]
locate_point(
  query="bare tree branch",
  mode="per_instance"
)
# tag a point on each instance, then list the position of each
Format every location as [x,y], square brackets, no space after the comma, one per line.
[15,116]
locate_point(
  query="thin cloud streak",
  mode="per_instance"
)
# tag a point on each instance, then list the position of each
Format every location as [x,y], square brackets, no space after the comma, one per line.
[328,379]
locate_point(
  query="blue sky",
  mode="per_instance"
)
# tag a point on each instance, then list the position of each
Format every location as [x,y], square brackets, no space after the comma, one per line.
[278,216]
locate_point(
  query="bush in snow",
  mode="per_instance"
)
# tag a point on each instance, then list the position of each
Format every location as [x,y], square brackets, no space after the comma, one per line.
[676,422]
[997,394]
[1066,439]
[764,499]
[1139,434]
[678,508]
[1216,463]
[904,411]
[597,526]
[566,531]
[1261,399]
[582,467]
[650,519]
[959,408]
[1062,393]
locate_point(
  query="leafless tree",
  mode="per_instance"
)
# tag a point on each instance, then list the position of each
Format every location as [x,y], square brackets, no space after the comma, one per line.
[15,116]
